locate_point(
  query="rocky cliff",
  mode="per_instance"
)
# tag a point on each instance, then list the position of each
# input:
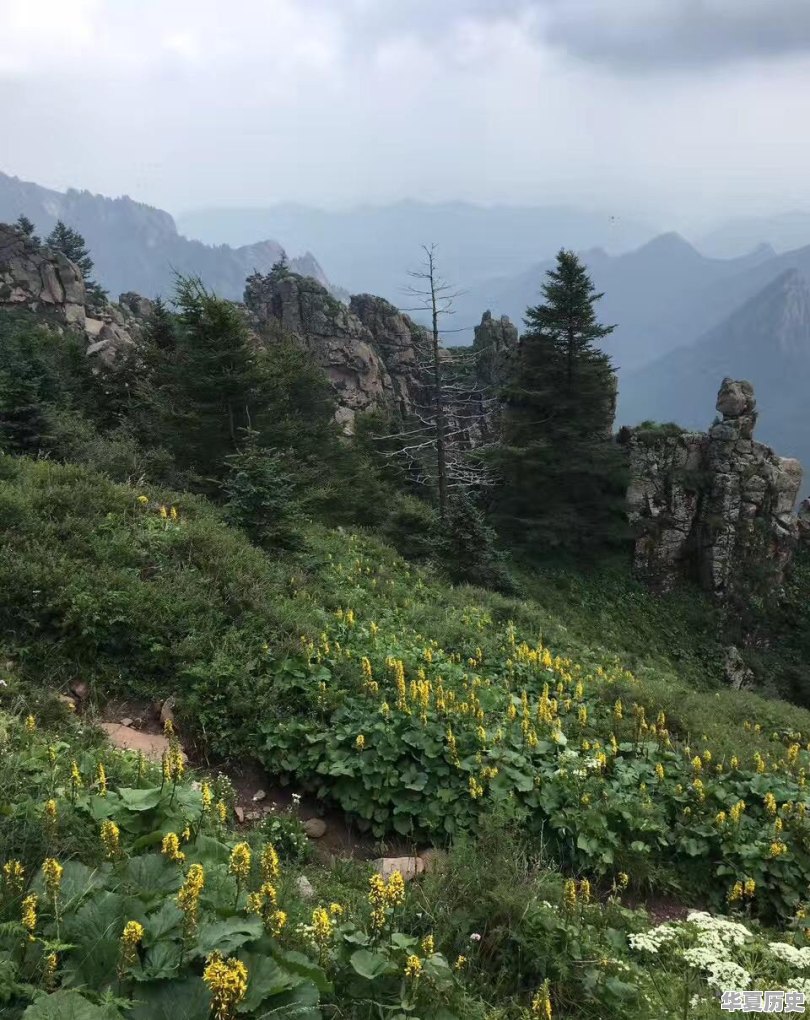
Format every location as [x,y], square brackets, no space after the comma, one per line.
[36,279]
[716,506]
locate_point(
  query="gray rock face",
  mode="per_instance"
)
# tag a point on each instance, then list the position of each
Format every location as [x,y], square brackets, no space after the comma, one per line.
[367,349]
[495,340]
[715,506]
[39,279]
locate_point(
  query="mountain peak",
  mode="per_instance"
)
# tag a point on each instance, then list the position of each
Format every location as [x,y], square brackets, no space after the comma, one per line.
[671,245]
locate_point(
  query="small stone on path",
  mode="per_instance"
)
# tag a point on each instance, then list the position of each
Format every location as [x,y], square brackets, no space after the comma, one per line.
[305,888]
[259,795]
[408,867]
[126,722]
[152,745]
[240,813]
[315,827]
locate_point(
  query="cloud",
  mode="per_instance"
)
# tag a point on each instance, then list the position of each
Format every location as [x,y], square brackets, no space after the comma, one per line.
[633,35]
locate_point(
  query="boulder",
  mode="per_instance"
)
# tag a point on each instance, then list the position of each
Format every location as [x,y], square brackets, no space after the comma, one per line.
[408,867]
[315,828]
[152,745]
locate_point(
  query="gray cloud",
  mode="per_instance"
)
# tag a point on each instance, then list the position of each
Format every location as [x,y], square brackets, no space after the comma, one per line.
[648,34]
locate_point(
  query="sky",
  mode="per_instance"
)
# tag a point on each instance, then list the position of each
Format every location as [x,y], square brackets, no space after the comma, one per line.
[680,111]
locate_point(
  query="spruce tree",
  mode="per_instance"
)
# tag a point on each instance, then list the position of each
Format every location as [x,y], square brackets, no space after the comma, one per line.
[562,476]
[26,226]
[72,245]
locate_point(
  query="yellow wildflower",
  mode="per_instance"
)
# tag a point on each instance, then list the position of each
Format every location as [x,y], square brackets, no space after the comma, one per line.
[570,893]
[131,938]
[207,795]
[52,872]
[222,811]
[227,982]
[239,862]
[30,724]
[659,770]
[541,1003]
[28,914]
[585,891]
[188,898]
[777,848]
[322,927]
[428,945]
[143,500]
[14,876]
[360,742]
[622,880]
[461,962]
[269,863]
[770,803]
[101,779]
[413,966]
[170,847]
[49,970]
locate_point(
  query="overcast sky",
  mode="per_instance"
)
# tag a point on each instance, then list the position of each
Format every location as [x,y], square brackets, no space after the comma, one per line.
[676,110]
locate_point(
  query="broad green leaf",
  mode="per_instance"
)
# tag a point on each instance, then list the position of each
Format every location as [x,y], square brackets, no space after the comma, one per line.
[94,930]
[228,935]
[140,800]
[172,1000]
[370,965]
[265,978]
[305,968]
[66,1005]
[151,875]
[164,923]
[162,961]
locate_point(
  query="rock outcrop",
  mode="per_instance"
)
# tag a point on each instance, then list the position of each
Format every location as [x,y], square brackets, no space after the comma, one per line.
[368,349]
[715,506]
[494,342]
[36,279]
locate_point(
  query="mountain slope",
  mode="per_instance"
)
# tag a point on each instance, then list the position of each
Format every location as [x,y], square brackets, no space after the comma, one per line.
[371,248]
[733,237]
[657,294]
[766,341]
[137,247]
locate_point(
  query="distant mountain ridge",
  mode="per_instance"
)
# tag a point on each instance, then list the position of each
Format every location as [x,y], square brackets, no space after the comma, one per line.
[372,247]
[137,247]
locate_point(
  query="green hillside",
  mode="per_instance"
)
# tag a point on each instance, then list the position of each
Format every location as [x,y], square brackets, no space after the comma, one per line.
[576,773]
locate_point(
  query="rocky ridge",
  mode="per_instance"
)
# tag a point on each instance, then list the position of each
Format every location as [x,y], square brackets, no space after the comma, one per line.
[36,279]
[715,506]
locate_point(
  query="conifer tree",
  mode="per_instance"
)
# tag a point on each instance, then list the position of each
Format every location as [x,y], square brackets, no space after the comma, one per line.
[562,478]
[72,245]
[27,227]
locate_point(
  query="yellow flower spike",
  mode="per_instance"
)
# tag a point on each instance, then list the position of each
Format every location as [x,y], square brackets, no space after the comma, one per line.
[570,894]
[278,920]
[360,742]
[51,815]
[413,967]
[270,866]
[428,945]
[188,898]
[770,803]
[734,761]
[777,848]
[170,848]
[659,770]
[222,811]
[735,893]
[14,876]
[322,927]
[460,964]
[28,914]
[207,796]
[541,1003]
[132,936]
[622,880]
[585,891]
[30,724]
[143,500]
[101,779]
[227,981]
[52,872]
[164,513]
[240,861]
[697,764]
[49,970]
[618,709]
[336,910]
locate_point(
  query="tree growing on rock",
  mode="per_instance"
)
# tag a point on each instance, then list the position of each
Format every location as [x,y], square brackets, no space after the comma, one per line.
[72,245]
[561,475]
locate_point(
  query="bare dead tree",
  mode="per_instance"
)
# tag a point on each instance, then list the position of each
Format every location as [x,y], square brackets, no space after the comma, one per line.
[436,438]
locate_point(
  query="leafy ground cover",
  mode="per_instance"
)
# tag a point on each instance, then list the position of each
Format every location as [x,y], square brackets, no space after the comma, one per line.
[569,749]
[125,893]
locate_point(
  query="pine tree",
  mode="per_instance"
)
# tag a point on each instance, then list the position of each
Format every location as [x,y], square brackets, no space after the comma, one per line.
[562,479]
[27,227]
[72,245]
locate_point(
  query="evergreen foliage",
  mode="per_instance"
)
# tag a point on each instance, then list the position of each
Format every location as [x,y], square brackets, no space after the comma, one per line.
[562,483]
[260,493]
[72,245]
[27,227]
